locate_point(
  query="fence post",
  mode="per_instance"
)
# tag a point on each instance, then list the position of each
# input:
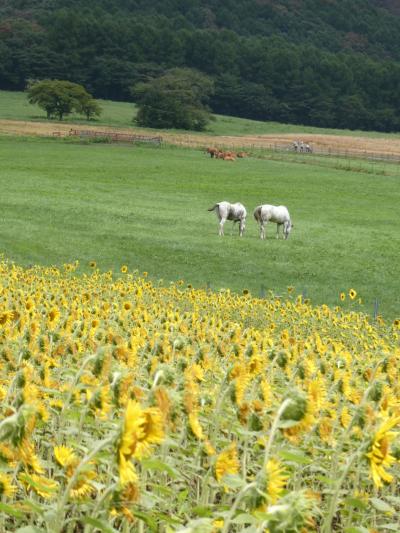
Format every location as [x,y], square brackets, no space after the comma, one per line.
[262,291]
[376,307]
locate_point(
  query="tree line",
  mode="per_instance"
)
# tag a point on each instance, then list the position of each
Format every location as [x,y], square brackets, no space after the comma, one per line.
[258,71]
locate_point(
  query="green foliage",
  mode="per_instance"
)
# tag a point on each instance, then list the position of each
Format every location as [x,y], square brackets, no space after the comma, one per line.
[59,98]
[335,65]
[175,100]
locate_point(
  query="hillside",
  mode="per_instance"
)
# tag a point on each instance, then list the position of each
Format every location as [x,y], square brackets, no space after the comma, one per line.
[332,64]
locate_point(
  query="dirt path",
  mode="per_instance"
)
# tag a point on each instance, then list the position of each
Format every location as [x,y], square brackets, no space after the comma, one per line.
[336,143]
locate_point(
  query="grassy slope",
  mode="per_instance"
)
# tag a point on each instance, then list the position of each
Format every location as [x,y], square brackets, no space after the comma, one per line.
[14,105]
[147,207]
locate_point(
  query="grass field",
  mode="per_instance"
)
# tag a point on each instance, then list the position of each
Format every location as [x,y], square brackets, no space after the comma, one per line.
[14,105]
[147,208]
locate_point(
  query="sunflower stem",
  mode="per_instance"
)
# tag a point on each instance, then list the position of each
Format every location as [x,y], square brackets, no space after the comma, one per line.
[59,516]
[235,505]
[273,430]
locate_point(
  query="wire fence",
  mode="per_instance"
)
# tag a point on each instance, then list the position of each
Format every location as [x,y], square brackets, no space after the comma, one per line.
[265,293]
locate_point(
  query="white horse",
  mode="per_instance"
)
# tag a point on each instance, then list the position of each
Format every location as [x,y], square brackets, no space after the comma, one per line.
[272,213]
[227,211]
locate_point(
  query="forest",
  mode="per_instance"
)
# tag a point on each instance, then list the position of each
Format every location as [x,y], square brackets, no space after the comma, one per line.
[331,64]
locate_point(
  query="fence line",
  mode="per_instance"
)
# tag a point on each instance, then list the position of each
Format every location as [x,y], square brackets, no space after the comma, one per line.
[111,135]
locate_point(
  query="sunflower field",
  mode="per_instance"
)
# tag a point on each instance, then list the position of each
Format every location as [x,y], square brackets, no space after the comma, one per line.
[127,405]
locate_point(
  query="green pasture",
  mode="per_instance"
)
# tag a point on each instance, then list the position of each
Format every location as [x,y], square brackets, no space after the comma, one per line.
[15,106]
[146,207]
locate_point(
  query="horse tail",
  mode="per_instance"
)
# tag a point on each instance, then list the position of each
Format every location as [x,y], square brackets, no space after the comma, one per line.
[213,207]
[257,213]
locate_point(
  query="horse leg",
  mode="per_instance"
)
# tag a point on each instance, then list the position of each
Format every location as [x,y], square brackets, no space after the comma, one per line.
[241,227]
[262,229]
[221,226]
[277,230]
[285,230]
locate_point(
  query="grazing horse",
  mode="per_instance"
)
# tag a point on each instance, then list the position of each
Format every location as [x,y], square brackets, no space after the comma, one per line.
[227,211]
[272,213]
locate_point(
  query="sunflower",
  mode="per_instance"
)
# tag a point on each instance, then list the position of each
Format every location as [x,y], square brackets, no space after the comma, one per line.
[93,264]
[227,462]
[28,456]
[65,456]
[6,317]
[53,315]
[379,452]
[124,269]
[43,486]
[82,488]
[209,448]
[342,296]
[352,294]
[195,426]
[6,487]
[29,305]
[276,480]
[142,427]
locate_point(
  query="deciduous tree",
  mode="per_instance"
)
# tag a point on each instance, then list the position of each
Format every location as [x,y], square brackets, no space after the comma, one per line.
[178,99]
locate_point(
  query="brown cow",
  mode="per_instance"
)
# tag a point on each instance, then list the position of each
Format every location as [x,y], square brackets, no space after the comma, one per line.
[212,151]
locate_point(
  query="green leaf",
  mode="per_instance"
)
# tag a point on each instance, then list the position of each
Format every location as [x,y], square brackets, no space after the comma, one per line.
[295,457]
[160,466]
[324,479]
[148,520]
[390,527]
[355,502]
[381,505]
[182,495]
[356,529]
[233,482]
[168,519]
[11,510]
[244,518]
[99,524]
[34,506]
[394,499]
[202,510]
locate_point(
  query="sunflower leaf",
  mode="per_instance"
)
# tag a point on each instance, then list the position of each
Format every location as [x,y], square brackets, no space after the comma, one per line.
[10,510]
[99,524]
[381,505]
[295,456]
[160,466]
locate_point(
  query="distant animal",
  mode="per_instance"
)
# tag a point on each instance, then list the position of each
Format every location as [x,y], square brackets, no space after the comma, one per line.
[242,154]
[227,211]
[212,151]
[272,213]
[228,157]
